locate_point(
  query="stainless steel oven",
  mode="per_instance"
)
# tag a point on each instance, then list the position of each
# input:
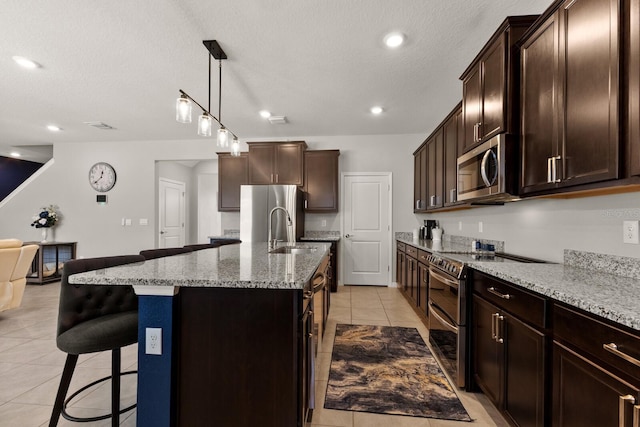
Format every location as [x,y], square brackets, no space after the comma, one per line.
[447,316]
[489,172]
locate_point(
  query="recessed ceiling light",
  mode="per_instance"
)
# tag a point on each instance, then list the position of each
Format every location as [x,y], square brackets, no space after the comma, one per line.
[15,154]
[265,114]
[54,128]
[376,110]
[394,40]
[25,62]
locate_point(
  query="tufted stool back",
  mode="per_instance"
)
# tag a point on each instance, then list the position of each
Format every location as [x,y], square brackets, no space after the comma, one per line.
[81,303]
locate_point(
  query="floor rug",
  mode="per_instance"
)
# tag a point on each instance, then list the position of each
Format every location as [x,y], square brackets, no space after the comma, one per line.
[388,370]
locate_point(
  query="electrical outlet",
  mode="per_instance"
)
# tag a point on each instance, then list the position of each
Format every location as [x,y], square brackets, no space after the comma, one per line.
[324,222]
[153,341]
[480,227]
[630,232]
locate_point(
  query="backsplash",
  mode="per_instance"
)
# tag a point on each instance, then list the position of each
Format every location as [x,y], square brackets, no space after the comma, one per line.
[612,264]
[455,240]
[320,234]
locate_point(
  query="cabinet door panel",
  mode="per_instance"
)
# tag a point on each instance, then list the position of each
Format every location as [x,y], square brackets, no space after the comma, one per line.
[435,159]
[633,70]
[471,107]
[450,159]
[289,164]
[539,133]
[232,173]
[487,370]
[420,180]
[321,181]
[589,36]
[261,158]
[524,373]
[493,105]
[585,394]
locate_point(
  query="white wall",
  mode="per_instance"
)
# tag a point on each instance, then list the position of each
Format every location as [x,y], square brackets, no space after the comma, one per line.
[543,228]
[97,228]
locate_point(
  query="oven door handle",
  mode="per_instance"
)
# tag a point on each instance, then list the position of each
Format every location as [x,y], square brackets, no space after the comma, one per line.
[447,281]
[445,323]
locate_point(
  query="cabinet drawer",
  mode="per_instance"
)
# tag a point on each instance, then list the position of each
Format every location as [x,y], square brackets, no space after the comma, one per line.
[590,335]
[423,257]
[400,246]
[526,306]
[411,251]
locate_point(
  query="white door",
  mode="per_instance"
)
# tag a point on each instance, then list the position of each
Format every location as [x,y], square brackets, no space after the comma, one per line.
[367,228]
[171,213]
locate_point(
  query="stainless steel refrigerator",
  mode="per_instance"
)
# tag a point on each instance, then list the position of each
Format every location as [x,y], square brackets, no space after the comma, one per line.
[256,203]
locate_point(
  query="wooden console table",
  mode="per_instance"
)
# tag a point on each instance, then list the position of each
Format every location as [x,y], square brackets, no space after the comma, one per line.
[48,262]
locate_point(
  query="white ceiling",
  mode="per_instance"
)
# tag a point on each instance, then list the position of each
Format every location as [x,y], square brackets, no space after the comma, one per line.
[321,63]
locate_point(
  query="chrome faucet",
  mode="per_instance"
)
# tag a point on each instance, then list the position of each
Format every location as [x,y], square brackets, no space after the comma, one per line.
[273,242]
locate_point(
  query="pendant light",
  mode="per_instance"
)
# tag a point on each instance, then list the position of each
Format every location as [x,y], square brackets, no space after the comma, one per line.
[205,120]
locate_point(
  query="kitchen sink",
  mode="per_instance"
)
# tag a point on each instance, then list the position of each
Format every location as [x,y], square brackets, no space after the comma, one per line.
[293,250]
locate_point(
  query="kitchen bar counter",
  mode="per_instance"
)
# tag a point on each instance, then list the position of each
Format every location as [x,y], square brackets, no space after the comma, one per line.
[244,265]
[607,295]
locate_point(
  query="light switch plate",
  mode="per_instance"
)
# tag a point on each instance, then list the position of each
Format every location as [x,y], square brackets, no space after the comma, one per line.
[630,232]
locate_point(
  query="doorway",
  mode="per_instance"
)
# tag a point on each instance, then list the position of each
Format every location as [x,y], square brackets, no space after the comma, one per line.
[366,225]
[171,213]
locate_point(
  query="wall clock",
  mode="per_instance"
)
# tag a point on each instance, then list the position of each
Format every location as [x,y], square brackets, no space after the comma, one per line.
[102,177]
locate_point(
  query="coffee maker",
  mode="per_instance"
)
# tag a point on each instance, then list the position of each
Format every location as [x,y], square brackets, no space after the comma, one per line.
[425,230]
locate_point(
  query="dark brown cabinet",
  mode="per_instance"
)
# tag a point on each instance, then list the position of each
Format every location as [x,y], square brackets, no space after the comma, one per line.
[276,162]
[596,371]
[423,282]
[435,170]
[633,86]
[569,100]
[232,173]
[411,284]
[490,96]
[420,179]
[401,269]
[452,138]
[509,350]
[321,180]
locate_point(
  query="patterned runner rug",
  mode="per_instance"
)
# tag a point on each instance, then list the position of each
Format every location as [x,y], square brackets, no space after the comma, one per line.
[388,370]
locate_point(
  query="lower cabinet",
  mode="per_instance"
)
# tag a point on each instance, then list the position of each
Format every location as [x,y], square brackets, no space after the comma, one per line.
[596,371]
[411,285]
[400,265]
[509,353]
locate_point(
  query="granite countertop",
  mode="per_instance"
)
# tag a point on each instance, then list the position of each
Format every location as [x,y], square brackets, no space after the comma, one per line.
[320,239]
[607,295]
[244,265]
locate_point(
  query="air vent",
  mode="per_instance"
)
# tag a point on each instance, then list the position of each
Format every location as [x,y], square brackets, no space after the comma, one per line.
[100,125]
[277,120]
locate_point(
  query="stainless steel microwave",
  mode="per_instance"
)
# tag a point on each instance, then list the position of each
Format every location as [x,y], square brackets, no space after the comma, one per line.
[489,172]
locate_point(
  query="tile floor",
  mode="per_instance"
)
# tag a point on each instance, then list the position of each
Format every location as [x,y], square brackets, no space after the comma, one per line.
[31,364]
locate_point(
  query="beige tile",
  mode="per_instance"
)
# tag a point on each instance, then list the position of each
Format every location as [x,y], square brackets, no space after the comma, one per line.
[329,417]
[28,351]
[368,314]
[23,378]
[9,343]
[365,419]
[373,322]
[100,397]
[340,314]
[20,415]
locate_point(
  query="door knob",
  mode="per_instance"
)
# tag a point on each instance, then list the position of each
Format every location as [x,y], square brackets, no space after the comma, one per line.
[162,232]
[347,235]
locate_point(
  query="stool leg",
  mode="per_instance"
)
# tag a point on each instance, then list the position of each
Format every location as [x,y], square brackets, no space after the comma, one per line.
[69,367]
[115,387]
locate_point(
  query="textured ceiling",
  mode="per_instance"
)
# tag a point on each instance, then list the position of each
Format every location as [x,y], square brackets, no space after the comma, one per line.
[321,63]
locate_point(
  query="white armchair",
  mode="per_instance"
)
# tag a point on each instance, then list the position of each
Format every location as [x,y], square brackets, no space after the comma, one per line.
[15,261]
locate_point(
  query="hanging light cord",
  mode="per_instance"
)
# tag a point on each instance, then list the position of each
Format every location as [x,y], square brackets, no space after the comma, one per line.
[219,87]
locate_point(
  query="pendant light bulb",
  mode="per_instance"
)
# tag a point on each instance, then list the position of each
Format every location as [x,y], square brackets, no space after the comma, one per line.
[223,137]
[204,125]
[183,110]
[235,147]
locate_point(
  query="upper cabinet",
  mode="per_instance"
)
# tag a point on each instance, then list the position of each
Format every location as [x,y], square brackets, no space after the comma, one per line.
[490,91]
[276,162]
[452,132]
[420,179]
[232,173]
[321,180]
[570,95]
[633,85]
[435,169]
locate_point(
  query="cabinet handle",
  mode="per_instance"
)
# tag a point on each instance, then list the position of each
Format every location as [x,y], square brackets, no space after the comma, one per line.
[308,294]
[613,348]
[277,178]
[306,204]
[493,290]
[452,195]
[475,132]
[549,175]
[418,204]
[499,329]
[554,168]
[432,201]
[624,400]
[494,335]
[271,179]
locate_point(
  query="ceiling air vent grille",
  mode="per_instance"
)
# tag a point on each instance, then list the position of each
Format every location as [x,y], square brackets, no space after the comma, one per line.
[100,125]
[277,120]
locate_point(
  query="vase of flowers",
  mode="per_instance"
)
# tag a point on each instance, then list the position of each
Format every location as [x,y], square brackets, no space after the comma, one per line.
[45,219]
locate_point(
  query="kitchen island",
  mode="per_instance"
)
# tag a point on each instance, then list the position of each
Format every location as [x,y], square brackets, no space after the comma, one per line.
[235,334]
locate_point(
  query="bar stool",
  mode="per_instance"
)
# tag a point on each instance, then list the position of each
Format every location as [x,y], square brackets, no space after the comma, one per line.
[94,318]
